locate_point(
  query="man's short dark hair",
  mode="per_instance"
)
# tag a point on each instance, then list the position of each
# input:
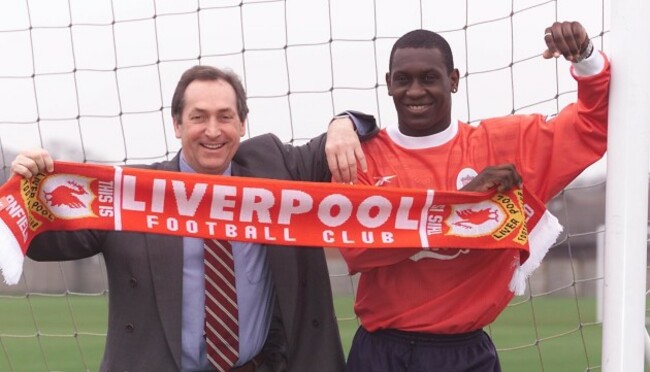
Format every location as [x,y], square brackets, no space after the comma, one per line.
[424,39]
[208,73]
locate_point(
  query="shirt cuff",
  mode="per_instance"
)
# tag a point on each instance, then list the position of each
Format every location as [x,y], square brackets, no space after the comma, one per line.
[363,124]
[591,65]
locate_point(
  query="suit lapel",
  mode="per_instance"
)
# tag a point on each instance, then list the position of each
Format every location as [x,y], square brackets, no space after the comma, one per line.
[166,260]
[283,266]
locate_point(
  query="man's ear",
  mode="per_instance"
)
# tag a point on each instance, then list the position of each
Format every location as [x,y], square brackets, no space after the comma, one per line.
[454,76]
[242,130]
[388,83]
[177,127]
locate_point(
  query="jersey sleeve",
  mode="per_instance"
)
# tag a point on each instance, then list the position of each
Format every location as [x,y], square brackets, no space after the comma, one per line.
[551,151]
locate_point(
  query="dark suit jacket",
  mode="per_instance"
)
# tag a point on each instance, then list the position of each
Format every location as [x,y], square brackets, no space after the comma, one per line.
[145,278]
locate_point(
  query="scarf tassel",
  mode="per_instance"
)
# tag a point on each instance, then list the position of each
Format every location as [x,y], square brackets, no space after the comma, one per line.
[540,240]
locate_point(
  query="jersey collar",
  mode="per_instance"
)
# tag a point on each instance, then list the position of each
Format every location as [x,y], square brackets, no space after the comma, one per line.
[415,143]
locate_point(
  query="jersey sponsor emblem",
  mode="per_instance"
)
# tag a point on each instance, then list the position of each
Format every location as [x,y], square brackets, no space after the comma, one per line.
[383,180]
[464,177]
[67,196]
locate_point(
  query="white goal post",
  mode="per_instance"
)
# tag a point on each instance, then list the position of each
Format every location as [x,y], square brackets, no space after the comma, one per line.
[624,333]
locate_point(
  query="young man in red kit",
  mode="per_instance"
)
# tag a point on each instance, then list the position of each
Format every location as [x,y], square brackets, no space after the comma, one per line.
[425,310]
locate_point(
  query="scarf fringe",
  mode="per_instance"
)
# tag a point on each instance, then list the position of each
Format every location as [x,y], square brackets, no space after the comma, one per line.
[540,240]
[11,264]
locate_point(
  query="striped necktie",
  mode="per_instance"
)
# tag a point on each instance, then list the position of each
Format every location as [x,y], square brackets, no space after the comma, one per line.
[221,315]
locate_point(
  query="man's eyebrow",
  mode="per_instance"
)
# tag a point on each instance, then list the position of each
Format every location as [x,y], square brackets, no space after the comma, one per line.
[219,111]
[430,70]
[226,110]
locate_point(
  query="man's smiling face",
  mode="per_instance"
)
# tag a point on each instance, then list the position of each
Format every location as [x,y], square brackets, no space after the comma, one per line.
[421,88]
[210,128]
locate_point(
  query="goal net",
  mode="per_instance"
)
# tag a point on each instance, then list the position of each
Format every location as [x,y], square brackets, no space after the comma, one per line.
[91,81]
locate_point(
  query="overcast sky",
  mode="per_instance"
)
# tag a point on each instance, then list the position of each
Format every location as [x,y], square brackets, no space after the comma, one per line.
[91,80]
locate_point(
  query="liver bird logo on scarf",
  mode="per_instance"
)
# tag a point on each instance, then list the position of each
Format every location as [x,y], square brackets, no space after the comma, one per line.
[68,196]
[475,220]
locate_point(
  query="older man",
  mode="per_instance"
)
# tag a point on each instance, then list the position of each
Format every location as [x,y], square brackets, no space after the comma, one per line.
[285,318]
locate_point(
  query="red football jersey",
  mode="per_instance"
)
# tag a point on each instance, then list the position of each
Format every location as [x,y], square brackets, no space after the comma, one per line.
[460,290]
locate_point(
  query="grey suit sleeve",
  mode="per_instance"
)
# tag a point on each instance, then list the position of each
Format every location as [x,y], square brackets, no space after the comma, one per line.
[65,245]
[267,157]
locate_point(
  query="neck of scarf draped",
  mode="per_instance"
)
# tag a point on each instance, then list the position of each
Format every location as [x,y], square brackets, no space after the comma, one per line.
[275,212]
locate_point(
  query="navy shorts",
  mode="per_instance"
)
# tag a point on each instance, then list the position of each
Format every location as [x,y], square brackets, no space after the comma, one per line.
[399,351]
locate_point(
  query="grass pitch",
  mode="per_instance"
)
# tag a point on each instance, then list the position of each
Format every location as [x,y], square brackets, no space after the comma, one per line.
[66,333]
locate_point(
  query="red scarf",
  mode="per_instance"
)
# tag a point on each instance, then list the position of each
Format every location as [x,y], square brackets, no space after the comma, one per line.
[84,196]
